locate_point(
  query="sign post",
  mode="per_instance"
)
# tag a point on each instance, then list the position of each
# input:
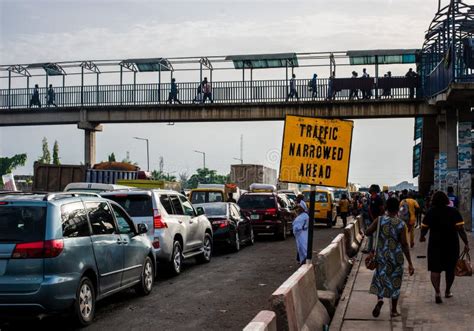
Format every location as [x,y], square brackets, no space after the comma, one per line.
[316,152]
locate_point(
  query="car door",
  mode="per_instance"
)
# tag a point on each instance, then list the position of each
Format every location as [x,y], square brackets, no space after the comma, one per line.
[184,220]
[195,235]
[239,221]
[134,251]
[107,244]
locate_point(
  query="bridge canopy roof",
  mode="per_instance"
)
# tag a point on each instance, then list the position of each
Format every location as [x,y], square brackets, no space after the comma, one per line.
[149,65]
[382,56]
[52,69]
[263,61]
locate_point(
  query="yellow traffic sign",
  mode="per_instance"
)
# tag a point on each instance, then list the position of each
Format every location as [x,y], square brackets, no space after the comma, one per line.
[316,151]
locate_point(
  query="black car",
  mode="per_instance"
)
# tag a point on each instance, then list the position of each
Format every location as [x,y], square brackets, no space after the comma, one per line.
[270,213]
[229,225]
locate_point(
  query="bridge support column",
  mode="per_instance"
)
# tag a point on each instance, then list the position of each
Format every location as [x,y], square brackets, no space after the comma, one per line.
[430,150]
[89,140]
[447,156]
[465,165]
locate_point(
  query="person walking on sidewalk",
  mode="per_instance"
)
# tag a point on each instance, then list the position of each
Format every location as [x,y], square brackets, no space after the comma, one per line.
[376,209]
[390,247]
[300,231]
[445,224]
[409,209]
[344,208]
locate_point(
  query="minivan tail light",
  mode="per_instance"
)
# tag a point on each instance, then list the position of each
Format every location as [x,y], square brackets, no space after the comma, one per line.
[271,211]
[221,223]
[157,221]
[38,249]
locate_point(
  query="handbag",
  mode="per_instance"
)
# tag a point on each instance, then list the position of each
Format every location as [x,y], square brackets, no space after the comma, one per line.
[463,266]
[371,259]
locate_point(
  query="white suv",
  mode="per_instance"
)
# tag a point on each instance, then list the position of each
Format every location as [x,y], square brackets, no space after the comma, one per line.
[177,230]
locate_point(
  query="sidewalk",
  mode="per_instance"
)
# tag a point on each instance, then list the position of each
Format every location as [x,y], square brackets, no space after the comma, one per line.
[417,306]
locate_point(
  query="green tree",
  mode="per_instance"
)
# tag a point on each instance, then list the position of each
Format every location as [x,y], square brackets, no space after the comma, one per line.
[207,176]
[112,158]
[159,175]
[8,164]
[46,157]
[56,153]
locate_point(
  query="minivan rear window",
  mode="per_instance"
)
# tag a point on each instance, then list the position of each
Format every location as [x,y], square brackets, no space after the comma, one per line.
[134,205]
[22,223]
[257,202]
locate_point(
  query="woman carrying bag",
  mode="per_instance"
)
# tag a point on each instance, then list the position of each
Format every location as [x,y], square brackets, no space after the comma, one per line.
[390,246]
[446,226]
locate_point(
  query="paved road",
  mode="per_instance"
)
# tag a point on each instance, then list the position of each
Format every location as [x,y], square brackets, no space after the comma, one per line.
[224,294]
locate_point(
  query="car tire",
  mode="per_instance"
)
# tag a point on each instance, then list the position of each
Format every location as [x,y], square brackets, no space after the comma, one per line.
[84,305]
[147,278]
[206,255]
[176,259]
[236,243]
[282,234]
[252,237]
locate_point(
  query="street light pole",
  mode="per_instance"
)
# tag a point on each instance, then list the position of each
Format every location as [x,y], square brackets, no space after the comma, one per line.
[203,158]
[147,151]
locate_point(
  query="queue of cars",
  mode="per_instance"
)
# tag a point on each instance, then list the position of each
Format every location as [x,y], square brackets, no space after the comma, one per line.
[65,251]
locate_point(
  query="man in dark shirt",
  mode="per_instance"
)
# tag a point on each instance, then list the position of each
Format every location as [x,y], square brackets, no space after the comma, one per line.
[453,199]
[376,209]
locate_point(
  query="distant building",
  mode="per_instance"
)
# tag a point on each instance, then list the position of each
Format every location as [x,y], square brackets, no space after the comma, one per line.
[404,186]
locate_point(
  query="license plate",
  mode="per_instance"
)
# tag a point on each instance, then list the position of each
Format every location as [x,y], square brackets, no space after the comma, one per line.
[255,217]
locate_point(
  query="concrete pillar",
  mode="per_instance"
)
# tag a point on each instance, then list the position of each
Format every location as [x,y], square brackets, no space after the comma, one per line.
[464,189]
[89,140]
[429,150]
[447,156]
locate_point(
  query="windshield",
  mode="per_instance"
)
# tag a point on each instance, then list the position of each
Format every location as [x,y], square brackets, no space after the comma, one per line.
[257,202]
[320,196]
[22,223]
[215,210]
[134,205]
[206,196]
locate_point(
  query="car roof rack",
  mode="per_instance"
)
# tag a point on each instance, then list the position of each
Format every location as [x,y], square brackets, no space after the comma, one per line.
[63,195]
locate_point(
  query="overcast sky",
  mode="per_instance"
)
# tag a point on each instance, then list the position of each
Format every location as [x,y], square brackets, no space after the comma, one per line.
[48,31]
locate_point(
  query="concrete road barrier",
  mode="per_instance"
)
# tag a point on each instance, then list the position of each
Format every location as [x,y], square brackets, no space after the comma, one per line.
[264,321]
[352,245]
[296,302]
[331,270]
[339,240]
[358,230]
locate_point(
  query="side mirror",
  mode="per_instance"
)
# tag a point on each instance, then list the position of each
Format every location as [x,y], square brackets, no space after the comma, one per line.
[200,211]
[142,228]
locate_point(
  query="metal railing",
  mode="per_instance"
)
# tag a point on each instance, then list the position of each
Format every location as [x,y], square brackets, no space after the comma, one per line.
[222,92]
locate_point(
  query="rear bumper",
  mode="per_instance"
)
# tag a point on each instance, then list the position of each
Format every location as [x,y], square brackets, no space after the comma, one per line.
[55,294]
[222,237]
[266,227]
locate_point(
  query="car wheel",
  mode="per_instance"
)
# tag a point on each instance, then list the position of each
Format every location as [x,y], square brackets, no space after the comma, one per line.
[147,278]
[206,255]
[282,235]
[252,237]
[176,259]
[236,244]
[84,306]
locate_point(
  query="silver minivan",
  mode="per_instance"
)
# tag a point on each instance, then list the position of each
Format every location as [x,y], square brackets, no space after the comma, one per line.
[177,230]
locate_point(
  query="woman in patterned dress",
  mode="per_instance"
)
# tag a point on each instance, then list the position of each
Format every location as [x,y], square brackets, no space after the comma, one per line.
[391,246]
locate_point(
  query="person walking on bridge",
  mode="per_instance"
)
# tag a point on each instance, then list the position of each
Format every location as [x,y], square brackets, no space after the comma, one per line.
[412,80]
[391,244]
[366,92]
[300,231]
[313,86]
[206,90]
[331,92]
[173,95]
[445,225]
[51,97]
[293,92]
[35,99]
[354,93]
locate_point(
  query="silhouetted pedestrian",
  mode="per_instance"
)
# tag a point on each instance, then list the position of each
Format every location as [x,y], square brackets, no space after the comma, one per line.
[207,90]
[293,92]
[412,78]
[51,96]
[331,91]
[173,95]
[35,99]
[387,91]
[354,91]
[313,86]
[366,92]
